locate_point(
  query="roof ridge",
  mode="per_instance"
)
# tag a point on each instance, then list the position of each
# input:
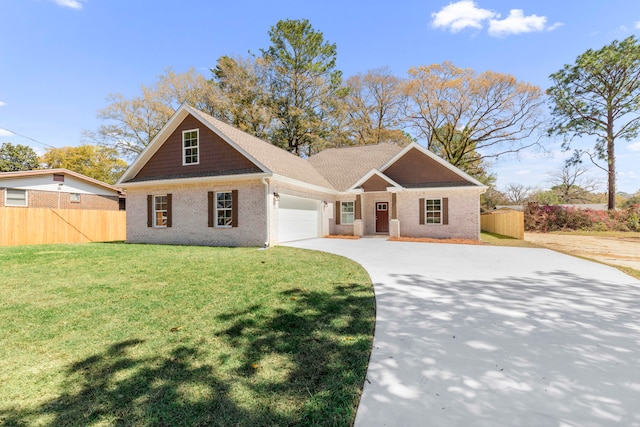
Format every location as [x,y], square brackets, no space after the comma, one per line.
[286,163]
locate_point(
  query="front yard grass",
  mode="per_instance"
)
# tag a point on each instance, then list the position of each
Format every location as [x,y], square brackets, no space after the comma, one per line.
[118,334]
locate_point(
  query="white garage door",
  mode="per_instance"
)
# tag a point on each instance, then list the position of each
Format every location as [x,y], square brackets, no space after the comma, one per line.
[298,218]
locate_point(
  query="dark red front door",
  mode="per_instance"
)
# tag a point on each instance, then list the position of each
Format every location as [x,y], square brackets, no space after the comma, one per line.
[382,217]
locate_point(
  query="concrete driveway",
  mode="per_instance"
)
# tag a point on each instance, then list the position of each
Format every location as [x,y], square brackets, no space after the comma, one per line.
[496,336]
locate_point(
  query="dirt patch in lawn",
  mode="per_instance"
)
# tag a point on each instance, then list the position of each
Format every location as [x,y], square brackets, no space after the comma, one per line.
[623,251]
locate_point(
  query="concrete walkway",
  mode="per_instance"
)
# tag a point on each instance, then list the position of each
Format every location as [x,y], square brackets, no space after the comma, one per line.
[496,336]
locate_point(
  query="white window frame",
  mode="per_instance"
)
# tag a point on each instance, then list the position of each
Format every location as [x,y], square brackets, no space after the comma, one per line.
[226,209]
[345,219]
[156,211]
[74,197]
[428,217]
[191,147]
[13,205]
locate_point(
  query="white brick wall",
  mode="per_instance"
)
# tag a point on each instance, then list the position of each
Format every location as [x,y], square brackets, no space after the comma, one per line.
[464,214]
[189,215]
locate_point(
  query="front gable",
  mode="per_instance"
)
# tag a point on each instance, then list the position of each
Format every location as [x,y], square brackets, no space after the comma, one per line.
[374,181]
[216,156]
[415,168]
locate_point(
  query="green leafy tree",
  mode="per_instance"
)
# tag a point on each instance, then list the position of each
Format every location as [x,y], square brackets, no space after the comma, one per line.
[241,94]
[599,96]
[304,87]
[545,197]
[632,200]
[491,198]
[17,158]
[98,162]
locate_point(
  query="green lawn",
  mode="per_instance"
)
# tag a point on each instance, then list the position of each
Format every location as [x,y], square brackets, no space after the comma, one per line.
[118,334]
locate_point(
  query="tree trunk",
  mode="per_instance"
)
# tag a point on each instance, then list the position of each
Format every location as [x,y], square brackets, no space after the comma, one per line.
[611,162]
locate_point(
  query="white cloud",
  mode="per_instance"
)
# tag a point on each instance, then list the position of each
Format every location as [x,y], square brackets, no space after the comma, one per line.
[460,15]
[554,26]
[637,25]
[635,146]
[466,14]
[4,132]
[72,4]
[516,23]
[2,104]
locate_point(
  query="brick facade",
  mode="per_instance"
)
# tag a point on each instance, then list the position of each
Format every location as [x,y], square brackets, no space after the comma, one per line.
[463,209]
[189,215]
[62,200]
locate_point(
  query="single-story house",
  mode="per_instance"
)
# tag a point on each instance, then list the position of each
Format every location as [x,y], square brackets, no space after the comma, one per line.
[57,189]
[201,181]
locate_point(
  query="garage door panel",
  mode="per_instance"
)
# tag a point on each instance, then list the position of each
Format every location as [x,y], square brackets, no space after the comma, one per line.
[298,218]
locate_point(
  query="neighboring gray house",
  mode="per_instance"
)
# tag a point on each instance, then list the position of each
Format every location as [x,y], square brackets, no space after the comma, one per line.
[203,182]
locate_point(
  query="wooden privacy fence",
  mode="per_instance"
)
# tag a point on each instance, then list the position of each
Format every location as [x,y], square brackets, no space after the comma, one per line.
[28,226]
[506,222]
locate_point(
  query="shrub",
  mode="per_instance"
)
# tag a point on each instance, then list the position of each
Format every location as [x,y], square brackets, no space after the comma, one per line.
[546,218]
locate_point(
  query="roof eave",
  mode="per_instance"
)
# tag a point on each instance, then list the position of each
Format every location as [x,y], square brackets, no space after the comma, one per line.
[195,180]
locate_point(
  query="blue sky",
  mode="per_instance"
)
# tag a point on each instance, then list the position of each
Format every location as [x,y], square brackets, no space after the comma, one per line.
[59,59]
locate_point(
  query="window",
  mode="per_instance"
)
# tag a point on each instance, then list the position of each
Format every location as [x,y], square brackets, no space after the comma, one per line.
[15,197]
[159,211]
[346,213]
[224,209]
[190,154]
[433,211]
[74,197]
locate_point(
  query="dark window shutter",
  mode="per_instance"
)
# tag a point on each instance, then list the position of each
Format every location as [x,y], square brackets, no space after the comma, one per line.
[421,203]
[394,203]
[337,213]
[445,210]
[234,208]
[149,211]
[210,208]
[358,207]
[169,211]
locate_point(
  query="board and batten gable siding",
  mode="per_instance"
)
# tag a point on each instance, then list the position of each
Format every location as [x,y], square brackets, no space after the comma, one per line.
[190,215]
[415,169]
[463,207]
[375,183]
[216,155]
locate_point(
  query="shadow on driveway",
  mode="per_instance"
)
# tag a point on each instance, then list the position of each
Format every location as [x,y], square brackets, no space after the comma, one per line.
[488,336]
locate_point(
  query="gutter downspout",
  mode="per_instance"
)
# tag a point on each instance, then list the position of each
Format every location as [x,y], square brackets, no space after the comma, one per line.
[267,205]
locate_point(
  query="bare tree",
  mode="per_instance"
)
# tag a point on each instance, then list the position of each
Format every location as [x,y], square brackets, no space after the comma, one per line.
[131,124]
[572,183]
[469,117]
[517,194]
[373,106]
